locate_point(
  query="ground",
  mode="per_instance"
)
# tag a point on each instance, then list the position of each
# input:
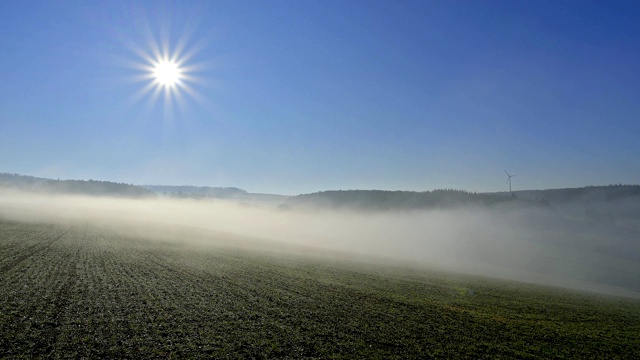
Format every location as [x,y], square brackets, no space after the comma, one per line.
[78,290]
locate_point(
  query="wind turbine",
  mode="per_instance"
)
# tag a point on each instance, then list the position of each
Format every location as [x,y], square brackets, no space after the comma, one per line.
[509,176]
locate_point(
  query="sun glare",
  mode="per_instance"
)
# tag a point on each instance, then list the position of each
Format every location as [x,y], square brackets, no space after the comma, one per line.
[167,73]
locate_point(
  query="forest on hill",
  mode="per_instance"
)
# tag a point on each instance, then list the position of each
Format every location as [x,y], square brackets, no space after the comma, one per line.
[605,193]
[96,188]
[396,200]
[74,187]
[187,191]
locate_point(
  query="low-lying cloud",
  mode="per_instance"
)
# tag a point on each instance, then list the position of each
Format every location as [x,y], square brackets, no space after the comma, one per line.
[522,244]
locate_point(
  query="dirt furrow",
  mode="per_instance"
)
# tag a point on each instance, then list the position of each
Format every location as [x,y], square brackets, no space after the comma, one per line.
[33,250]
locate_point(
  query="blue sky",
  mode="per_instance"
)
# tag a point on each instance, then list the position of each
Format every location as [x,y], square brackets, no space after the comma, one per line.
[299,96]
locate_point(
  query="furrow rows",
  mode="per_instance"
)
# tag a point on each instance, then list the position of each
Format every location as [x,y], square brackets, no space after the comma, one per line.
[33,292]
[39,245]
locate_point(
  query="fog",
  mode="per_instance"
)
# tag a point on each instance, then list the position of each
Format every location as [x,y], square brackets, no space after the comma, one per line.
[519,244]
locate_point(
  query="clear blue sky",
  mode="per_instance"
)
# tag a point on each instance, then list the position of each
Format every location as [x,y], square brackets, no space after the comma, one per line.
[300,96]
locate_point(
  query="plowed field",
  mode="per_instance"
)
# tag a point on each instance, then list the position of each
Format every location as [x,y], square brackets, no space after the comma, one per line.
[81,291]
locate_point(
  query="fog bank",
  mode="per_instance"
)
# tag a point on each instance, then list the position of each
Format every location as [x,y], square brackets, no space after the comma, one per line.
[522,244]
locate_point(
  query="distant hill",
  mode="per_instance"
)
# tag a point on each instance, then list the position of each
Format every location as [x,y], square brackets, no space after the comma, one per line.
[77,187]
[397,200]
[21,181]
[612,204]
[208,192]
[609,193]
[96,188]
[107,188]
[196,191]
[620,202]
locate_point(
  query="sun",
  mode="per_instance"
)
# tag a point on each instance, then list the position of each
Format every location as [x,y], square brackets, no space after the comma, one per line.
[169,77]
[171,71]
[167,73]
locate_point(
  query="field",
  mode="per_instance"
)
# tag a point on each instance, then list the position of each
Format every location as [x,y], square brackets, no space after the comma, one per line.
[78,290]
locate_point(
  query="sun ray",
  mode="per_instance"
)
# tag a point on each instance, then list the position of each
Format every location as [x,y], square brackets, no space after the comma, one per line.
[165,73]
[164,62]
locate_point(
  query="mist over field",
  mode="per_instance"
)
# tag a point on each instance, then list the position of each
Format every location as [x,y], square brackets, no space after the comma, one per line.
[519,243]
[413,179]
